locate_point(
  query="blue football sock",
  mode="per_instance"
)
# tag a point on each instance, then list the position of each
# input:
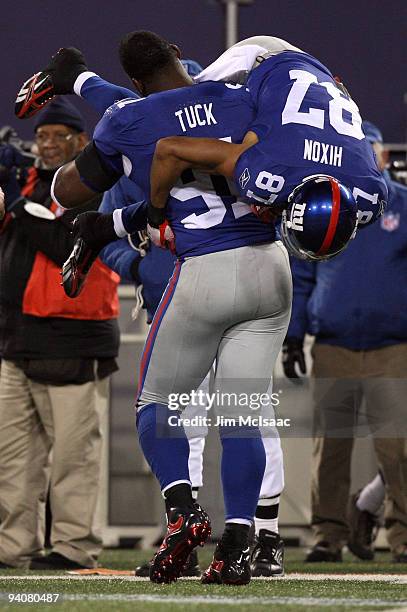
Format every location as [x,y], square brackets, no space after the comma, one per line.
[165,447]
[243,464]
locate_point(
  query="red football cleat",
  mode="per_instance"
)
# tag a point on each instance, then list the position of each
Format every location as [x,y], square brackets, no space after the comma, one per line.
[76,268]
[187,529]
[34,95]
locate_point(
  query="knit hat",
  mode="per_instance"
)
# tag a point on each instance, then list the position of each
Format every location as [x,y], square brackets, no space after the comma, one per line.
[60,112]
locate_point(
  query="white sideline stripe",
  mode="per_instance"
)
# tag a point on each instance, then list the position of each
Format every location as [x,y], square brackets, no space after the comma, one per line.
[391,578]
[236,601]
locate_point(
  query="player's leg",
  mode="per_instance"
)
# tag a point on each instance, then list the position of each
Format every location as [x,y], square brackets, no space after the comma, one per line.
[194,419]
[179,351]
[245,362]
[71,419]
[272,44]
[371,497]
[363,517]
[267,558]
[196,432]
[237,61]
[24,448]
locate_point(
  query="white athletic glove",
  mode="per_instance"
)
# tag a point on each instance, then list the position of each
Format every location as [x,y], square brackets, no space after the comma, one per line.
[162,236]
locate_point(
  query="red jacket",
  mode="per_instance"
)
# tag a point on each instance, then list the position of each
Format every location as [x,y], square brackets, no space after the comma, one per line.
[37,319]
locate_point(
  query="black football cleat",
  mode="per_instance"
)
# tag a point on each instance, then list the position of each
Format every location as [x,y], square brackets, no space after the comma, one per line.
[229,566]
[267,558]
[76,268]
[323,552]
[363,528]
[187,528]
[34,94]
[191,569]
[143,571]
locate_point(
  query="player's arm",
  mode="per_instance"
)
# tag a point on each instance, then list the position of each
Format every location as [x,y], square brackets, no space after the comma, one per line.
[80,180]
[67,73]
[175,154]
[100,94]
[70,74]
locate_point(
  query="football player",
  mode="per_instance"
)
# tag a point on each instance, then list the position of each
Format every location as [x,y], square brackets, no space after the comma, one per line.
[69,72]
[220,227]
[305,125]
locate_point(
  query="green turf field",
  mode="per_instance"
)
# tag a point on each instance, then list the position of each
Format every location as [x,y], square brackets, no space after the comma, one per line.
[378,585]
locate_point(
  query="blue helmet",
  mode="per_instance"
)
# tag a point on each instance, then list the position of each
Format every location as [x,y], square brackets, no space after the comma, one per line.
[320,219]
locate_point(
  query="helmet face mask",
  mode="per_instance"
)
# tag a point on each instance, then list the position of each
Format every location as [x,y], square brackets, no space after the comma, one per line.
[320,218]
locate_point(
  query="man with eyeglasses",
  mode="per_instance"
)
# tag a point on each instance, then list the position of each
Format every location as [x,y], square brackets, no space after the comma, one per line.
[56,356]
[57,143]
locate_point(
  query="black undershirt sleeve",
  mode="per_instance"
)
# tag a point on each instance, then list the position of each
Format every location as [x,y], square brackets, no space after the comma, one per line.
[95,173]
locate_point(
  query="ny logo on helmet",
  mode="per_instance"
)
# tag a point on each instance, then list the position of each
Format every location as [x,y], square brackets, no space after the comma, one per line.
[297,216]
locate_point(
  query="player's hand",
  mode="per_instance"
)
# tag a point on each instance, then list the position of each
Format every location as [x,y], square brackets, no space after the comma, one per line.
[57,78]
[266,214]
[158,229]
[96,229]
[162,236]
[64,68]
[293,354]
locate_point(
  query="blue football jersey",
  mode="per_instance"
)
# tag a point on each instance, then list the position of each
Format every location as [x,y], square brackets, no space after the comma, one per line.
[203,210]
[306,125]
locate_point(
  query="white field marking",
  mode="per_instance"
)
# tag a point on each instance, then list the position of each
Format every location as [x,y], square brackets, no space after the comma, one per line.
[392,578]
[235,601]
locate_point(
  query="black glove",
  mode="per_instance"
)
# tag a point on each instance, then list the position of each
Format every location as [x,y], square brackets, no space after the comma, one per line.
[155,216]
[95,229]
[65,66]
[293,354]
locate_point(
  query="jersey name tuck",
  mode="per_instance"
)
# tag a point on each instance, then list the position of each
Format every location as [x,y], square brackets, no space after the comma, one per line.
[203,210]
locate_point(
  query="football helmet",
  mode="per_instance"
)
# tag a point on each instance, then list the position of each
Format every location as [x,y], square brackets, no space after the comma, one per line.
[320,219]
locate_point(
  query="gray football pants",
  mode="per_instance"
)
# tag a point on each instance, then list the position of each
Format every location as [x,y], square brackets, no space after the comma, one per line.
[231,305]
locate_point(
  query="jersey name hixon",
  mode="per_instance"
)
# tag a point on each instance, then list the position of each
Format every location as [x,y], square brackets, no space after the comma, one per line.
[323,153]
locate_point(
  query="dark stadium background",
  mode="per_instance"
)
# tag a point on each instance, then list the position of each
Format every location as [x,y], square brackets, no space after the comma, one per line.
[363,41]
